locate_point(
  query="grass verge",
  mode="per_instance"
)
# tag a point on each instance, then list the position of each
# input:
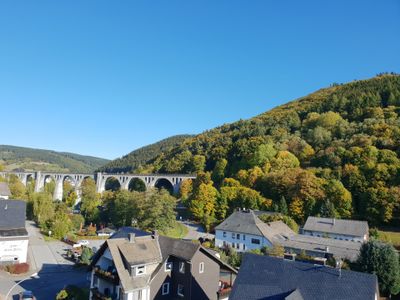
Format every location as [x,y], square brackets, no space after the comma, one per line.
[178,231]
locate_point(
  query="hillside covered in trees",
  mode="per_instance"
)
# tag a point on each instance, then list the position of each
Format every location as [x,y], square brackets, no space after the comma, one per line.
[332,153]
[135,160]
[28,159]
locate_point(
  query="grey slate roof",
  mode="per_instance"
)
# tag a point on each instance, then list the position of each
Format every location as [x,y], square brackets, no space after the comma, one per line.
[178,248]
[4,190]
[337,226]
[12,218]
[146,249]
[338,248]
[264,277]
[247,222]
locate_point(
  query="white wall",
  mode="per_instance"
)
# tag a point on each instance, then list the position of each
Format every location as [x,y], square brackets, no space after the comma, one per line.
[135,294]
[343,237]
[244,241]
[11,249]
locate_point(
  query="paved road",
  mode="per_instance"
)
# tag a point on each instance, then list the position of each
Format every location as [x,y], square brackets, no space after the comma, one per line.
[55,272]
[196,231]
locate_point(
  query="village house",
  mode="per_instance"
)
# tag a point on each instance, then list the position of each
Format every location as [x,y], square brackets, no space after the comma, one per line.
[339,229]
[244,231]
[135,265]
[265,277]
[13,235]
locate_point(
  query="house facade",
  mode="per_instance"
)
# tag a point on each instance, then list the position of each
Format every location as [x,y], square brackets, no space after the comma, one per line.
[13,235]
[143,266]
[244,231]
[339,229]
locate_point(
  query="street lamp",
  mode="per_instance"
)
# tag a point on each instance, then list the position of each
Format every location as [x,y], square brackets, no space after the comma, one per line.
[34,275]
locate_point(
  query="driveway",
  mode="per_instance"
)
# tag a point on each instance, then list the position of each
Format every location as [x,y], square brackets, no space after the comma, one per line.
[54,271]
[195,231]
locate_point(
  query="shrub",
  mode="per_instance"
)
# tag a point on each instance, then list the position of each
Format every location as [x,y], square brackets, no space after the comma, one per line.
[63,294]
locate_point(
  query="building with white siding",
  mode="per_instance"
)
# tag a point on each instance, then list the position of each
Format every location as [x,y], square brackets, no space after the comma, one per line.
[244,231]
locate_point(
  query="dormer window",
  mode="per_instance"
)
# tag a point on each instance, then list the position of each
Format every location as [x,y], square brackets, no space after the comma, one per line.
[168,266]
[182,267]
[140,270]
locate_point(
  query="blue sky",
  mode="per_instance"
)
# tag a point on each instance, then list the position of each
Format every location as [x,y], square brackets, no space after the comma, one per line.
[105,77]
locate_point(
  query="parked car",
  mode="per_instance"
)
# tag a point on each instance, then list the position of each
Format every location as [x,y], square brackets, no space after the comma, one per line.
[83,242]
[26,295]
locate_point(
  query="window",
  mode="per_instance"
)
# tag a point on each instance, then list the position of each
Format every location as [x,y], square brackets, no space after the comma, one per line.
[233,235]
[255,241]
[238,236]
[140,294]
[201,267]
[244,237]
[237,245]
[182,267]
[224,234]
[165,288]
[95,281]
[244,247]
[168,266]
[140,270]
[181,290]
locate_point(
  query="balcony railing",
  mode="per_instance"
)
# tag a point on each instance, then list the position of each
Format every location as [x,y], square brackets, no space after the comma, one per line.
[106,275]
[96,295]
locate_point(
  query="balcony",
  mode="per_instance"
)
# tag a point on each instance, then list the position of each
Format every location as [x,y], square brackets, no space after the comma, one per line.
[111,277]
[96,295]
[224,290]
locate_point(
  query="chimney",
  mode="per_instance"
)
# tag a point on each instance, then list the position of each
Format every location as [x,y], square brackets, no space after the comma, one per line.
[154,234]
[131,237]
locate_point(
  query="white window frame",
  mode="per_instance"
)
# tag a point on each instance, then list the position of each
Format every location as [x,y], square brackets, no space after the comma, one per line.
[140,294]
[177,290]
[182,267]
[201,267]
[162,289]
[138,272]
[168,263]
[224,234]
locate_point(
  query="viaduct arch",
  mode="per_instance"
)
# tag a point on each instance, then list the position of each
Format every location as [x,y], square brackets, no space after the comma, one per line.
[173,181]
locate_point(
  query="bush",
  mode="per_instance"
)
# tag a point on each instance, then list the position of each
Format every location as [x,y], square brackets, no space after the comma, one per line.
[17,268]
[63,294]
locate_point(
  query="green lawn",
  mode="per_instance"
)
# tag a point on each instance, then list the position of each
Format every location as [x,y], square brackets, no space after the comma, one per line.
[391,235]
[178,231]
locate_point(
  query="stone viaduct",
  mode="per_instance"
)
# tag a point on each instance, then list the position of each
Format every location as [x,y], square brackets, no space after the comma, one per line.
[168,181]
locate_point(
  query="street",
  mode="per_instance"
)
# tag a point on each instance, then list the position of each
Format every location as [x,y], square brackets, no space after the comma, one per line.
[54,271]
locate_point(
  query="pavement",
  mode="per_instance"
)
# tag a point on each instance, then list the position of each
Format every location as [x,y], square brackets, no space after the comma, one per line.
[195,231]
[54,270]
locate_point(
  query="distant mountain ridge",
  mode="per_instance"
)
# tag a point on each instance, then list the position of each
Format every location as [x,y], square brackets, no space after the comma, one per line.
[30,159]
[134,161]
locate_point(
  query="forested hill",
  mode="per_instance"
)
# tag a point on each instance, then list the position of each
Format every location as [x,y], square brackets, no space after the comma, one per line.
[28,159]
[334,153]
[135,160]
